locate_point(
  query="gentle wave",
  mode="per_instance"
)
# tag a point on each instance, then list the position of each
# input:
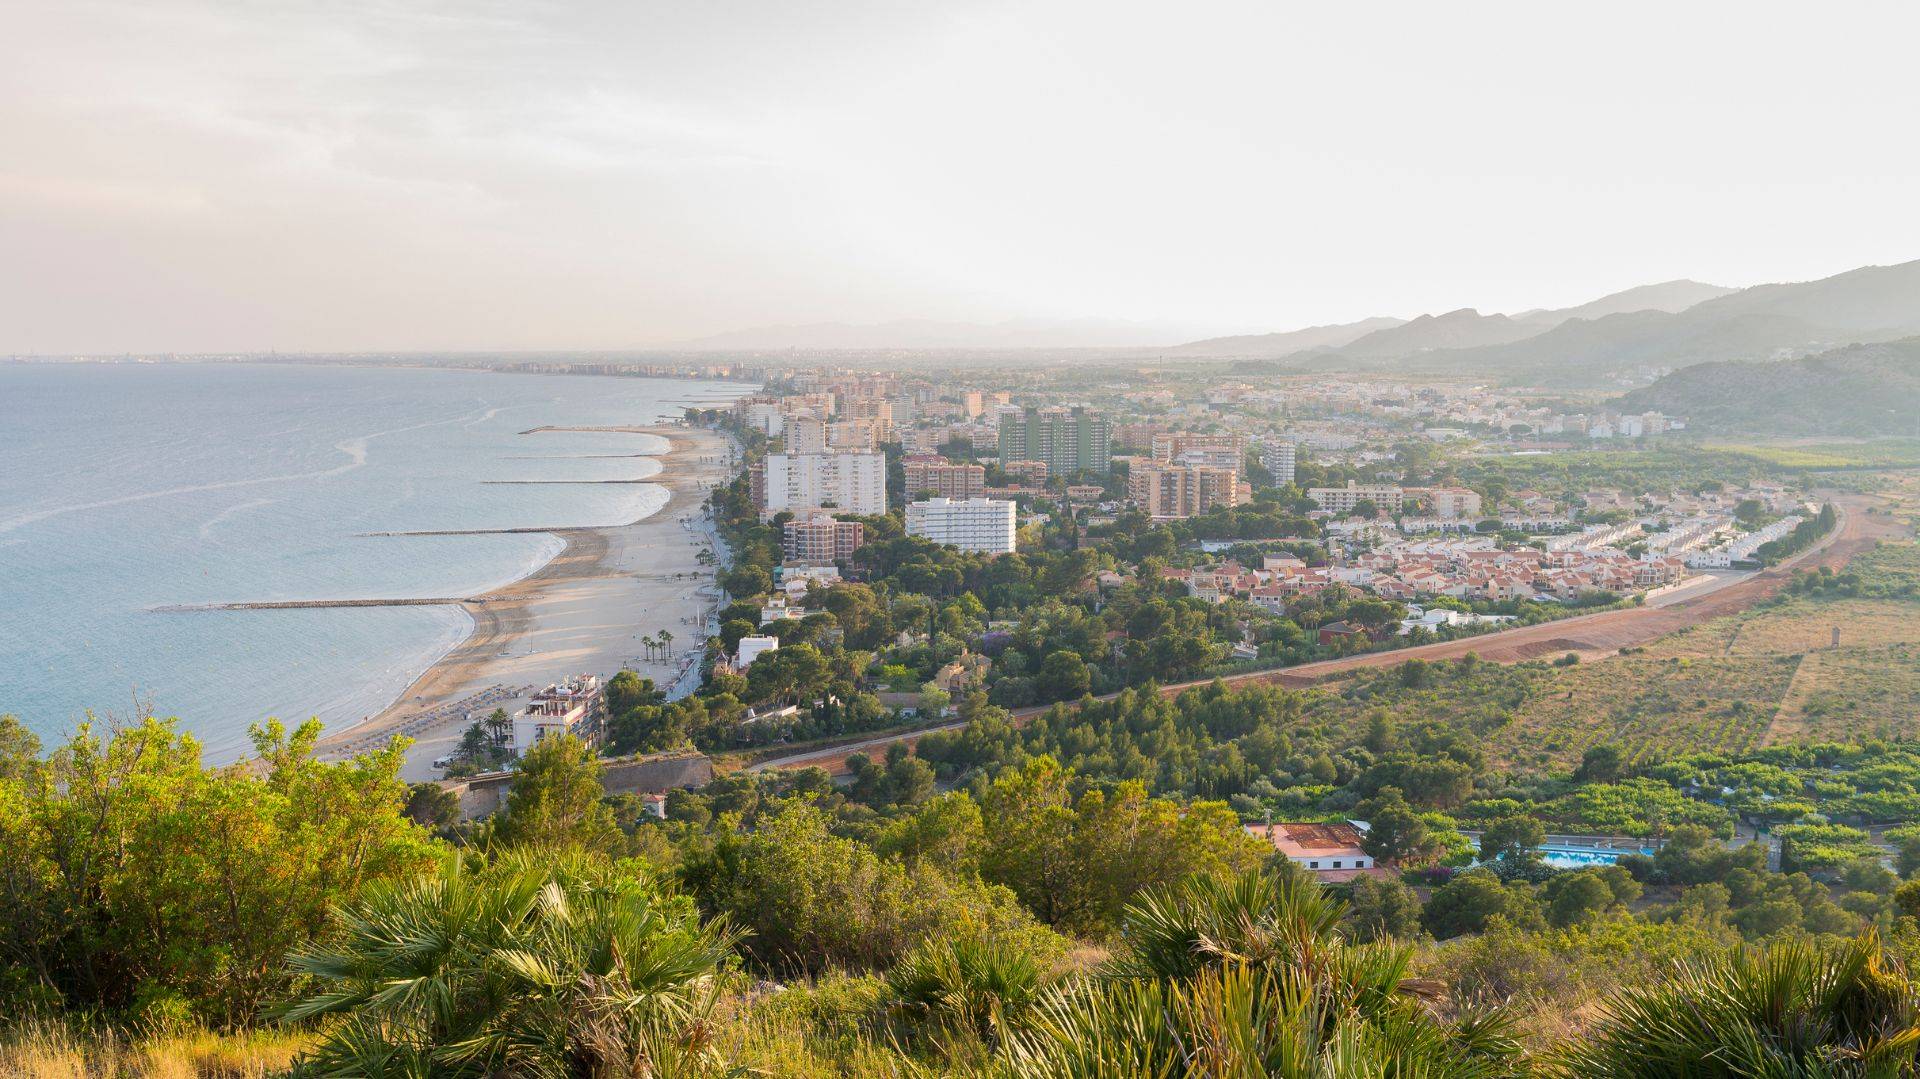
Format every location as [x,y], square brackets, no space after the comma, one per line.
[354,448]
[206,529]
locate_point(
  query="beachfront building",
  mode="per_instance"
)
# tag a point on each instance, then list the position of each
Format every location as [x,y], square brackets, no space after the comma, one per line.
[752,648]
[1066,440]
[760,413]
[820,538]
[777,607]
[1342,500]
[931,474]
[569,707]
[851,482]
[975,524]
[1168,492]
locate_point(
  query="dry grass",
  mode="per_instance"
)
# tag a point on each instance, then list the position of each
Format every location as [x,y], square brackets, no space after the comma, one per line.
[1798,626]
[40,1050]
[1852,693]
[1671,704]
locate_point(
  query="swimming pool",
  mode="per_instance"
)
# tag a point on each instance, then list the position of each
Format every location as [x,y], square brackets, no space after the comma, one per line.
[1581,857]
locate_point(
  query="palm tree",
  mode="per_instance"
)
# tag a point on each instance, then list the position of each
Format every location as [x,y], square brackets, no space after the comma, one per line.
[648,642]
[666,642]
[1786,1010]
[1249,976]
[548,965]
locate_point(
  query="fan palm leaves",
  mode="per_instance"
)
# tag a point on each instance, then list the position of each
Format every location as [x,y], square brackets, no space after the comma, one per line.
[980,986]
[1249,977]
[1238,1022]
[1255,919]
[1786,1010]
[555,968]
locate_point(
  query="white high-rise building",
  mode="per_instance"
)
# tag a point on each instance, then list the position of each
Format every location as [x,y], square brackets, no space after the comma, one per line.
[1279,456]
[848,482]
[975,524]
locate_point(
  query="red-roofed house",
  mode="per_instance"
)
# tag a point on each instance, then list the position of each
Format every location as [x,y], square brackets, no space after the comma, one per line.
[1331,852]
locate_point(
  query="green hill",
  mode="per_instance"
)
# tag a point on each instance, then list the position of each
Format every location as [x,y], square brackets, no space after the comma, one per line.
[1857,390]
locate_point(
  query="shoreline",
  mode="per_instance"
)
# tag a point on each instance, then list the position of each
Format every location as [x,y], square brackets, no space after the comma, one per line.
[581,612]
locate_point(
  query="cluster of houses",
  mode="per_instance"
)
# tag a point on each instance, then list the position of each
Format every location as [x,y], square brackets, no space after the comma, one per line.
[1467,568]
[1480,569]
[1743,547]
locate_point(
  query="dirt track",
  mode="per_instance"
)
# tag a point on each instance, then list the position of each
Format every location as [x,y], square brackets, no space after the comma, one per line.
[1593,636]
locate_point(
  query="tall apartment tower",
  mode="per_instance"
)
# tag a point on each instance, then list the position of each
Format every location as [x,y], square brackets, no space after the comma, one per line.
[1171,491]
[1066,440]
[850,482]
[1279,456]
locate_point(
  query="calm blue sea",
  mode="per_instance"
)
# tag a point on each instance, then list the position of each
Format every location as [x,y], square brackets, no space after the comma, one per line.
[132,486]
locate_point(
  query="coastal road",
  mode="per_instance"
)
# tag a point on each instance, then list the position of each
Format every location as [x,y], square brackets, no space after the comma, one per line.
[1593,636]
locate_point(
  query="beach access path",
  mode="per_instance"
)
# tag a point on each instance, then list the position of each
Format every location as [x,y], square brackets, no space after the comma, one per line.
[586,611]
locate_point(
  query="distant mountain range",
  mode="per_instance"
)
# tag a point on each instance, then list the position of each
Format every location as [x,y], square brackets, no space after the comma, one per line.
[1464,328]
[1389,338]
[1861,390]
[1673,324]
[1766,322]
[929,334]
[1665,296]
[1289,342]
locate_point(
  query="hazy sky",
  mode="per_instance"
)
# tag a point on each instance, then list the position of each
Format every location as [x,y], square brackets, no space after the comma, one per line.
[414,175]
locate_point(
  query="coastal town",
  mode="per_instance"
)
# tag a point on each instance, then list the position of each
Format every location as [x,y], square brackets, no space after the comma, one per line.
[959,541]
[1269,524]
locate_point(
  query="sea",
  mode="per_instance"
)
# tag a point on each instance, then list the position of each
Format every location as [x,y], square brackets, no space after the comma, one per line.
[128,489]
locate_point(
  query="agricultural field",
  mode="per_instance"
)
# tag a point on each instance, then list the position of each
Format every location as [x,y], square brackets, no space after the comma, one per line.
[1797,625]
[1876,453]
[1664,706]
[1852,693]
[1835,658]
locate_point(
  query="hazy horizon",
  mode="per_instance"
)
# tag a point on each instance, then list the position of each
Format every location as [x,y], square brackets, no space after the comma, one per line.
[208,177]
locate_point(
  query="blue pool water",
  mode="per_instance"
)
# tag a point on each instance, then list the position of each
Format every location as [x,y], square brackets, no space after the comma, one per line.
[1580,858]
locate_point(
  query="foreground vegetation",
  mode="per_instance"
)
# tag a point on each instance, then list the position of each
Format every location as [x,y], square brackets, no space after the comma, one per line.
[1045,917]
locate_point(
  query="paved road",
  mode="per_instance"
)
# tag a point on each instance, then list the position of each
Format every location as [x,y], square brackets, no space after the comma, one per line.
[1594,636]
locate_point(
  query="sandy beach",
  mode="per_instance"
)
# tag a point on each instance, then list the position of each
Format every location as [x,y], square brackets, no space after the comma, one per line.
[584,612]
